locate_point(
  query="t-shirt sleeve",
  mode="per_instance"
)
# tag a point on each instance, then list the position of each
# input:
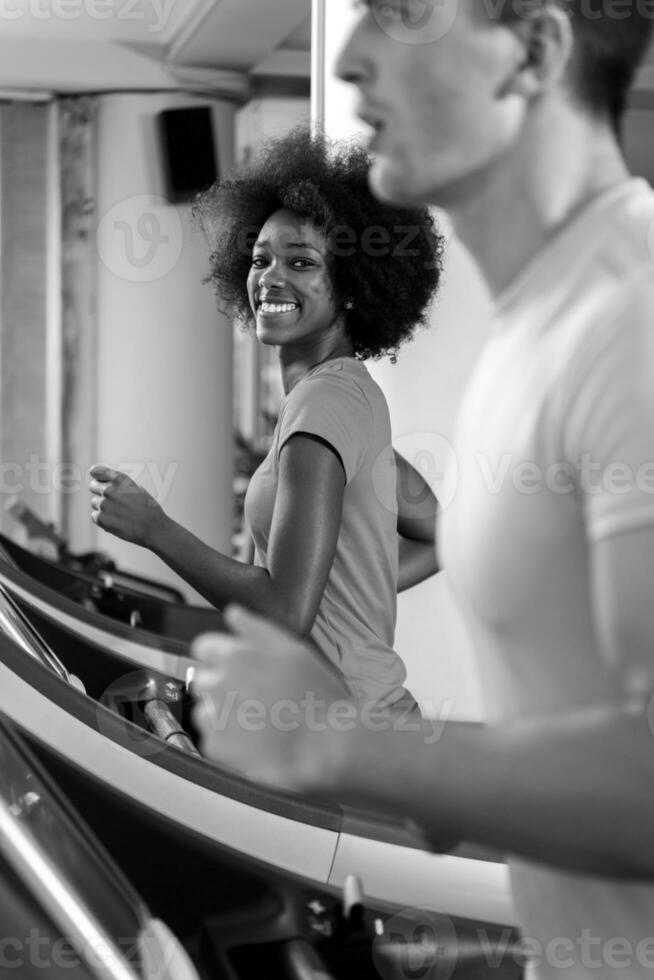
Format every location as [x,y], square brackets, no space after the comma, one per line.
[334,409]
[609,420]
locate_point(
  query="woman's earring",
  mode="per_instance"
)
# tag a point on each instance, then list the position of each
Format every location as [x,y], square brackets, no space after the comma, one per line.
[349,304]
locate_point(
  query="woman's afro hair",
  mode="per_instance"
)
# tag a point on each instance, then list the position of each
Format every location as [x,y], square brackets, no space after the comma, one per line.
[383,261]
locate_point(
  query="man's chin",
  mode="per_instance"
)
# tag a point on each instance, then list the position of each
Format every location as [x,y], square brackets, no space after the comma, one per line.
[390,185]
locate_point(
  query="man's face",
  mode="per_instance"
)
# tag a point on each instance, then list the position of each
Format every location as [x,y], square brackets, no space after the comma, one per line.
[434,78]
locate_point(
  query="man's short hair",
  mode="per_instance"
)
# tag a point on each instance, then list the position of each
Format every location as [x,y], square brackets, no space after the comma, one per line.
[612,37]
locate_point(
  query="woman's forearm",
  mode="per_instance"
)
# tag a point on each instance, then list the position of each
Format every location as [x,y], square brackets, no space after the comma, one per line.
[301,546]
[219,579]
[417,562]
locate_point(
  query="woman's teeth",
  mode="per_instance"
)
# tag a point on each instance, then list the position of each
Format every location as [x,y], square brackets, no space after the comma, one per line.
[277,307]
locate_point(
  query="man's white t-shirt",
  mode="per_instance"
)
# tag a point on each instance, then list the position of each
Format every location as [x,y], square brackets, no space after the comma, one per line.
[554,453]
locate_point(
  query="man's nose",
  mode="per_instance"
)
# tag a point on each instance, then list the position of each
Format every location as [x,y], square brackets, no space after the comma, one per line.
[351,65]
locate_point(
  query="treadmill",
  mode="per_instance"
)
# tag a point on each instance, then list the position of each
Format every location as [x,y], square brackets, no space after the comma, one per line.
[202,842]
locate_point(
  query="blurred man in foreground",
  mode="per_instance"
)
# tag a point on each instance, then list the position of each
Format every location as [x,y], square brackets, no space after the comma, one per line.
[507,115]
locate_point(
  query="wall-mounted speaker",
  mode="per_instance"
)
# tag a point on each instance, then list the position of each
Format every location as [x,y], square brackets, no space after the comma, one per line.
[189,152]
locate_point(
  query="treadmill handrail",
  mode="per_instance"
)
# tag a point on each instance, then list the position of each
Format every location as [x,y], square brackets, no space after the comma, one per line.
[18,627]
[15,579]
[164,724]
[59,901]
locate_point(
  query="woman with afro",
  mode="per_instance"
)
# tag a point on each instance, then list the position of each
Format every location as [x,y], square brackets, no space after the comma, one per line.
[308,259]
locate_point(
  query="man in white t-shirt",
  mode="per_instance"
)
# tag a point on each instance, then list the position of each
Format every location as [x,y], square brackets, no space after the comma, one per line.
[506,114]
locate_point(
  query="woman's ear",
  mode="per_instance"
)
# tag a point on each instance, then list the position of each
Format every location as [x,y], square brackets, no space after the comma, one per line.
[547,44]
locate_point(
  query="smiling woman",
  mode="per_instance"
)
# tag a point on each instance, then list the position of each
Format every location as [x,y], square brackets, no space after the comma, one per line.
[305,256]
[383,262]
[288,285]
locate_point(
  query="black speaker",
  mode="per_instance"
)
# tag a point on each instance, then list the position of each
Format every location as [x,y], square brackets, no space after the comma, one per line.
[189,154]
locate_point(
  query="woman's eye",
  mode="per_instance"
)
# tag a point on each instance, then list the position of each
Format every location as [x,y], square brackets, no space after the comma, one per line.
[301,263]
[258,262]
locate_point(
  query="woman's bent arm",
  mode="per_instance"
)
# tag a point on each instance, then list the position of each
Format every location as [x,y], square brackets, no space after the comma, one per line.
[416,526]
[303,535]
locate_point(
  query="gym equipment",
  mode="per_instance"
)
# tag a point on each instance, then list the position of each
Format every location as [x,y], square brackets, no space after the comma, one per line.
[105,592]
[201,818]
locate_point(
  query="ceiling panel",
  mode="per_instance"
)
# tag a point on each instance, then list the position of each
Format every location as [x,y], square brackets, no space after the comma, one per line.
[241,33]
[91,45]
[300,38]
[73,66]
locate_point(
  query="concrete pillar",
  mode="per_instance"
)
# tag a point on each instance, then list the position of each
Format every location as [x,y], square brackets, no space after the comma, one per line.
[29,418]
[164,387]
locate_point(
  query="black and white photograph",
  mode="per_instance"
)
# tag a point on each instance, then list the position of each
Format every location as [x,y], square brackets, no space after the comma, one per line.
[327,489]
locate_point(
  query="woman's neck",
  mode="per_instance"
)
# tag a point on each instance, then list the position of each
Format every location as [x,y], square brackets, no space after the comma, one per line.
[297,360]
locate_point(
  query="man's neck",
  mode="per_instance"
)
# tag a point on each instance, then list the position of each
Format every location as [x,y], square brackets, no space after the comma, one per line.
[560,168]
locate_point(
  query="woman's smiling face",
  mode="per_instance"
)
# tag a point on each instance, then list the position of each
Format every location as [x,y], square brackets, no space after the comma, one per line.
[289,285]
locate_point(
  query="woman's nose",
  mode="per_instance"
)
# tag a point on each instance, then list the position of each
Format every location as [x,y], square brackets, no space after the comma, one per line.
[272,276]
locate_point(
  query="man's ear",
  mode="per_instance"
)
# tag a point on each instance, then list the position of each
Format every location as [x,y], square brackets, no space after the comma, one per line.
[547,44]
